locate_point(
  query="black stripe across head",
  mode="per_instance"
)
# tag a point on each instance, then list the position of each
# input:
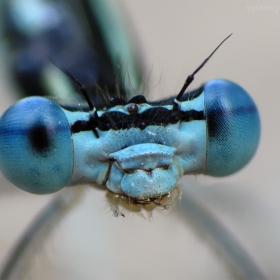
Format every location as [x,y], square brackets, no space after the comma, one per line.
[155,114]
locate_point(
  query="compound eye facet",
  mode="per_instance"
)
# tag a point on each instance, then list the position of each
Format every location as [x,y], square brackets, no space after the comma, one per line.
[233,127]
[36,152]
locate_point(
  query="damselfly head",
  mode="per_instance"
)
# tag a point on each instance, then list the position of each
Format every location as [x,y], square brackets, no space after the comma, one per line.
[137,149]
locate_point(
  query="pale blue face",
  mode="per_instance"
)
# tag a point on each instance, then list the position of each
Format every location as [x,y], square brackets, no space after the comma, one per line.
[137,149]
[130,146]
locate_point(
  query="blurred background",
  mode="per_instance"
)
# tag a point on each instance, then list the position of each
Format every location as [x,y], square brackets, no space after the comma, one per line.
[173,38]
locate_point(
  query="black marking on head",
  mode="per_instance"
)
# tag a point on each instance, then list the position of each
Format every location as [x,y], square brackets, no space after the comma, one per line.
[138,99]
[79,126]
[40,139]
[158,116]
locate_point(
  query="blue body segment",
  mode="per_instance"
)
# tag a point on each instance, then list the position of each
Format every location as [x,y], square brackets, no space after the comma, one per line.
[126,148]
[36,152]
[233,127]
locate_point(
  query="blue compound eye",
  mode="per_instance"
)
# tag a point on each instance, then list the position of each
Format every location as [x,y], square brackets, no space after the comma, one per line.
[36,152]
[233,127]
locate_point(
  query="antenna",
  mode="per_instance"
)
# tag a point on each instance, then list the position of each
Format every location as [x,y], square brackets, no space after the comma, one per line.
[190,78]
[93,116]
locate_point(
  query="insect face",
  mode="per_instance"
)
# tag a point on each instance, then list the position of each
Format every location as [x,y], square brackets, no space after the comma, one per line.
[140,153]
[135,148]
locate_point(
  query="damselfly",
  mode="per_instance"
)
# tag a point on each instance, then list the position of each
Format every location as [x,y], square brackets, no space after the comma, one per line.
[136,149]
